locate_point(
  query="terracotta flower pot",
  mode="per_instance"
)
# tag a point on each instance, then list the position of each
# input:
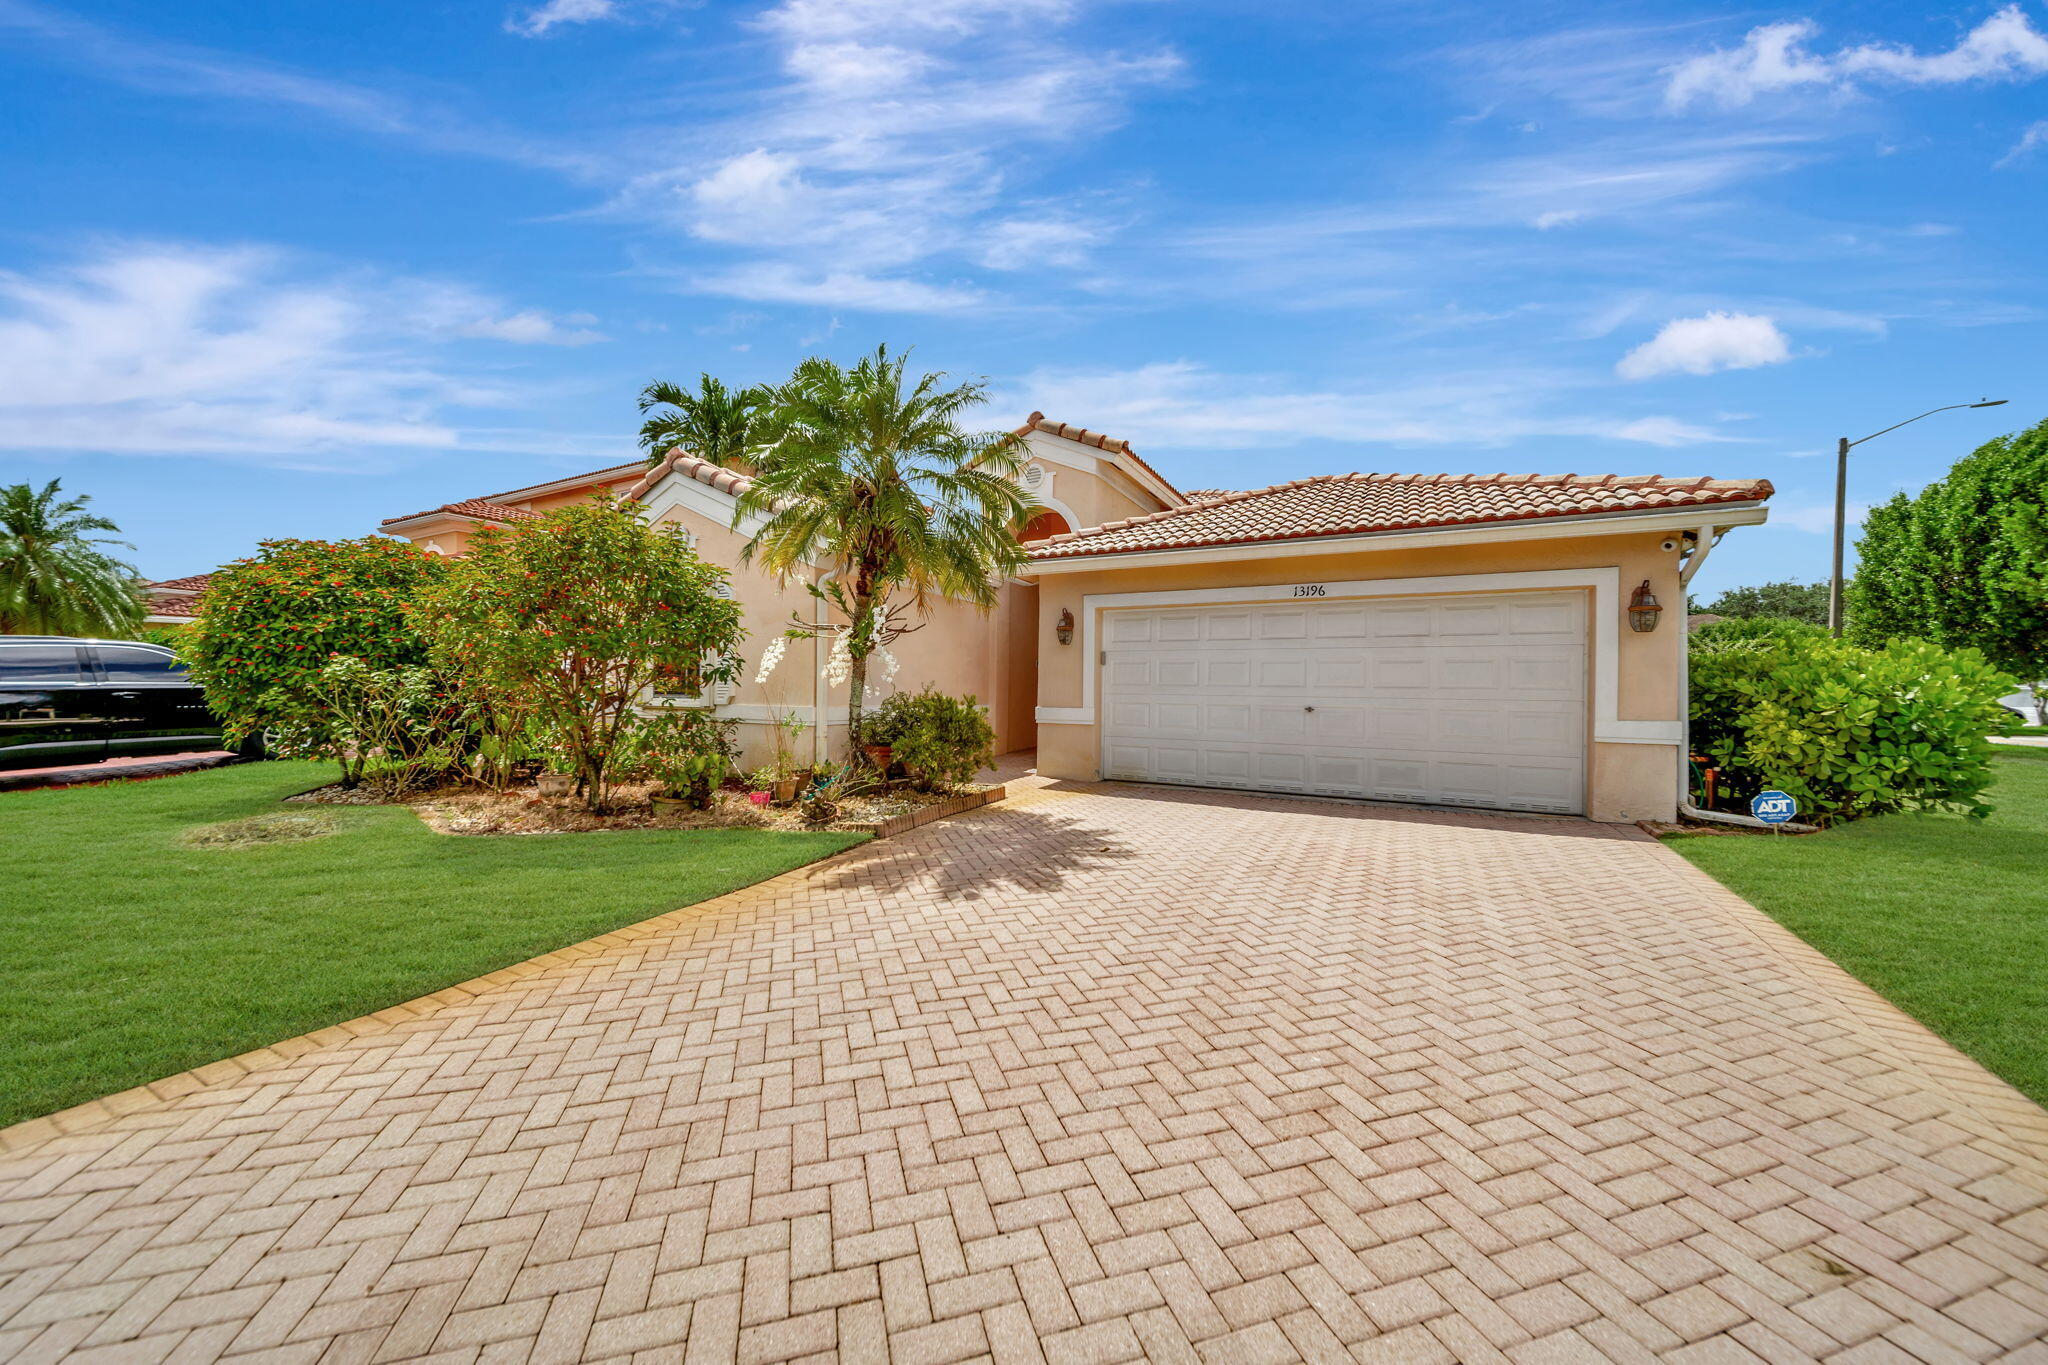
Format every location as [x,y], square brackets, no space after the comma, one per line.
[555,784]
[666,806]
[785,791]
[881,755]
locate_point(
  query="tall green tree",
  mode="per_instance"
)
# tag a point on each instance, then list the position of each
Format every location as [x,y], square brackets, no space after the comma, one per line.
[1786,600]
[1964,561]
[55,577]
[868,472]
[714,423]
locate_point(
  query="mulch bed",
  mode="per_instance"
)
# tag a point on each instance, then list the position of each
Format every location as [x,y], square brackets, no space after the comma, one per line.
[478,810]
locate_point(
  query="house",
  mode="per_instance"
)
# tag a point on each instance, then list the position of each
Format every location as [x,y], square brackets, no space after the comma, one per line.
[174,601]
[1471,640]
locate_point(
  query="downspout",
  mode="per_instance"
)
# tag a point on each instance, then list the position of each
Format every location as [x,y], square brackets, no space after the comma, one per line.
[821,738]
[1704,541]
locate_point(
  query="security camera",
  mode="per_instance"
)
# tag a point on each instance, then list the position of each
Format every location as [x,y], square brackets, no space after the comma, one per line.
[1670,544]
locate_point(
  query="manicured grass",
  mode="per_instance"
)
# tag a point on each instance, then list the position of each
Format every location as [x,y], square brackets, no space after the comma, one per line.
[1946,917]
[128,954]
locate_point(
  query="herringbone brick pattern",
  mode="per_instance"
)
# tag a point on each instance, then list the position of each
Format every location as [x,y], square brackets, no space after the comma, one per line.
[1107,1073]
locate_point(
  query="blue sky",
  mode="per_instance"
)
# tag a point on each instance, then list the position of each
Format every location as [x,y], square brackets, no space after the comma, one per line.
[288,268]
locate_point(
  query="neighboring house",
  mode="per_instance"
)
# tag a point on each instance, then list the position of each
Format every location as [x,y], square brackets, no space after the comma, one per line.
[1462,640]
[174,601]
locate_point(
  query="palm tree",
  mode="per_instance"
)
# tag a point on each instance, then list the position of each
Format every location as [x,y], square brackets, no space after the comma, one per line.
[54,580]
[714,423]
[874,478]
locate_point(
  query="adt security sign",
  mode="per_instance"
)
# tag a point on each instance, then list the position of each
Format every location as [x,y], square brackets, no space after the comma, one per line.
[1773,808]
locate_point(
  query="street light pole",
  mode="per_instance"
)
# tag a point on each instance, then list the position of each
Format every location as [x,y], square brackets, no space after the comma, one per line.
[1842,501]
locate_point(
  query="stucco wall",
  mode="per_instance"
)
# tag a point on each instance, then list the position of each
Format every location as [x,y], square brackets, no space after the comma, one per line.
[1084,486]
[1626,781]
[956,647]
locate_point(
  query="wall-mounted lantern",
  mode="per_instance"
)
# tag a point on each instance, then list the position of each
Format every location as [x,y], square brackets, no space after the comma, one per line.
[1643,609]
[1065,628]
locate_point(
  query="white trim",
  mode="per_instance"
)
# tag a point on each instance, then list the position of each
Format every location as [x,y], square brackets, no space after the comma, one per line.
[1605,584]
[676,490]
[1167,495]
[1546,528]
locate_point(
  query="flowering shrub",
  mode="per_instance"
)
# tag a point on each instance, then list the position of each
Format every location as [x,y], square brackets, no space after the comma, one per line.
[268,625]
[1847,731]
[576,613]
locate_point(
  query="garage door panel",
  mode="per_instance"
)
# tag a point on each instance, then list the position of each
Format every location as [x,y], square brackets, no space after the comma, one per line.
[1280,722]
[1281,625]
[1288,671]
[1475,702]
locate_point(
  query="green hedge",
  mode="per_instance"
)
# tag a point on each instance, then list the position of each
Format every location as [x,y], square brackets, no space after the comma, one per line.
[1847,731]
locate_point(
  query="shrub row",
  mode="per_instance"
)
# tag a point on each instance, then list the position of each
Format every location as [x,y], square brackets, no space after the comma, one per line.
[1847,731]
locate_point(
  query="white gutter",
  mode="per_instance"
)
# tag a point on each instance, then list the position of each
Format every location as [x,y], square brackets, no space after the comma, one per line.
[1704,540]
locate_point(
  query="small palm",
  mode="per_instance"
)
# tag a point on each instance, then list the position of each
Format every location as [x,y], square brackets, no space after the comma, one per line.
[714,423]
[871,473]
[54,577]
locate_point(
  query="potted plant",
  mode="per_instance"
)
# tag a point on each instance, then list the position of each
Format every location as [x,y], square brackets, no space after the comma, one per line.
[875,739]
[778,781]
[556,780]
[687,754]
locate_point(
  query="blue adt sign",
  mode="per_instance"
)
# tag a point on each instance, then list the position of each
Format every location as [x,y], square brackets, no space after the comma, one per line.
[1773,808]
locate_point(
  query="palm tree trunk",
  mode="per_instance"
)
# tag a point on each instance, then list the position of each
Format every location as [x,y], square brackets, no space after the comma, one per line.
[857,686]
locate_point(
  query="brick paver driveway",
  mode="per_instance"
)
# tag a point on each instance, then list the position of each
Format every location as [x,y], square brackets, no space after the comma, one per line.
[1106,1073]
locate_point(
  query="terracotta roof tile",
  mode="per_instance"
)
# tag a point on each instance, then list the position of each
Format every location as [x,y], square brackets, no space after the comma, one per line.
[690,466]
[1352,504]
[1037,422]
[177,596]
[479,508]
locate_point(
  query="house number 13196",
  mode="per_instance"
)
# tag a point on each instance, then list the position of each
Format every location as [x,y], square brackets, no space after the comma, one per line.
[1308,590]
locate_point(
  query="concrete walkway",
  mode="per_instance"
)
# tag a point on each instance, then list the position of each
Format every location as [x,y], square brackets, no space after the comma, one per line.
[1105,1073]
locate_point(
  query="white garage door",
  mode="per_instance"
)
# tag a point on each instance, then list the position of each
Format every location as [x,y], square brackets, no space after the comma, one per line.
[1470,701]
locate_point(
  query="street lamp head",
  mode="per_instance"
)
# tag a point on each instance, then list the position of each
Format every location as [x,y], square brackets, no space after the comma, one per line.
[1990,403]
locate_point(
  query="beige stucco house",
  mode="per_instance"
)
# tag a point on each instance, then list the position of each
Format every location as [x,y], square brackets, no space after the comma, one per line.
[1462,640]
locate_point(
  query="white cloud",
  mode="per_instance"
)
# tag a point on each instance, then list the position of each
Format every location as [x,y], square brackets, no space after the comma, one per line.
[538,20]
[445,310]
[1182,405]
[1020,243]
[2033,140]
[1775,57]
[887,155]
[151,349]
[791,282]
[1702,345]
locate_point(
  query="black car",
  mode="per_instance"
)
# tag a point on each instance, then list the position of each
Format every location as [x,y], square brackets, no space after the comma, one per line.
[65,702]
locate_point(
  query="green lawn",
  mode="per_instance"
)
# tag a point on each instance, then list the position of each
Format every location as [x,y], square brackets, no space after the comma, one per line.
[1946,917]
[128,955]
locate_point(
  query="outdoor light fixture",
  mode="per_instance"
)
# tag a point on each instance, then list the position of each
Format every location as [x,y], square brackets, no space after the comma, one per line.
[1066,627]
[1643,609]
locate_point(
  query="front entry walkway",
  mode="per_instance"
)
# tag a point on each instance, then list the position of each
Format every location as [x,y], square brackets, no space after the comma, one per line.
[1104,1073]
